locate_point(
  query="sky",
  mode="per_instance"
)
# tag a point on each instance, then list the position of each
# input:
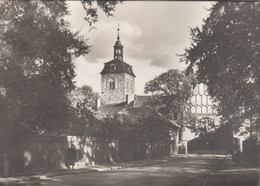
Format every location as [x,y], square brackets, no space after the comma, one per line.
[152,33]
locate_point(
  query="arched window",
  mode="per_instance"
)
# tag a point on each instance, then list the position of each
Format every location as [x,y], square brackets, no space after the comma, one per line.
[193,110]
[199,109]
[204,110]
[112,84]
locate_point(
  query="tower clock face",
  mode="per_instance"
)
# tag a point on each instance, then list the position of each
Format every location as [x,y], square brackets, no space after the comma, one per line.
[112,68]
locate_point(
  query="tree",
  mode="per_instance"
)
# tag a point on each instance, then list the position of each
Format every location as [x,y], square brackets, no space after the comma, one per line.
[36,63]
[225,52]
[108,7]
[84,105]
[205,125]
[125,127]
[170,94]
[37,48]
[37,51]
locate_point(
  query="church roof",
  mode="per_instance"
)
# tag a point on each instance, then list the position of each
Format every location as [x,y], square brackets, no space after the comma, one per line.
[111,109]
[140,100]
[121,67]
[133,113]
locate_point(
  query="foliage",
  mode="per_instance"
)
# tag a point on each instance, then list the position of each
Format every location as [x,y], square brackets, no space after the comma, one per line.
[36,65]
[88,122]
[205,125]
[110,128]
[83,97]
[83,104]
[149,128]
[92,11]
[170,94]
[225,52]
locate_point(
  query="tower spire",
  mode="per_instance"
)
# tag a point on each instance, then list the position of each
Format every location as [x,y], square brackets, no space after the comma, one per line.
[118,38]
[118,47]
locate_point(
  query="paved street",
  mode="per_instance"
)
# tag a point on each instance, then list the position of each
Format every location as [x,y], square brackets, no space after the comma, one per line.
[195,170]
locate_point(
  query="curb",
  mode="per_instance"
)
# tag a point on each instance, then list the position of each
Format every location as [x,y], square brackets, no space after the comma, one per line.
[142,165]
[45,176]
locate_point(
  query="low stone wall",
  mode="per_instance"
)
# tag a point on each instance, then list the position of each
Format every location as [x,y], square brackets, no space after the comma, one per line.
[44,153]
[139,150]
[94,151]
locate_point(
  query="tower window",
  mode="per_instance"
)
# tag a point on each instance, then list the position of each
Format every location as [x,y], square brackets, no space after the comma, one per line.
[112,67]
[112,84]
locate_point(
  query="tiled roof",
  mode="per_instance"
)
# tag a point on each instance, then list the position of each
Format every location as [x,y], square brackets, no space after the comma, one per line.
[111,109]
[139,112]
[133,113]
[121,67]
[140,100]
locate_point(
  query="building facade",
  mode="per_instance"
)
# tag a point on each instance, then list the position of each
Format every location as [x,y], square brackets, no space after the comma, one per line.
[201,106]
[117,79]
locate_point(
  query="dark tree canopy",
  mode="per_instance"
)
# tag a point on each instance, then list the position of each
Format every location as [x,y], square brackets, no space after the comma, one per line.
[146,128]
[225,53]
[170,94]
[37,50]
[36,65]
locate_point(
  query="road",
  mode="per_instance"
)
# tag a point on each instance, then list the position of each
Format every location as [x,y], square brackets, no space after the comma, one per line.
[191,171]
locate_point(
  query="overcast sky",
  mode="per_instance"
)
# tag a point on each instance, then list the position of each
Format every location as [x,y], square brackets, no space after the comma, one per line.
[152,33]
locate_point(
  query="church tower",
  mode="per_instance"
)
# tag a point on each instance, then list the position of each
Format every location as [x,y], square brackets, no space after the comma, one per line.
[117,78]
